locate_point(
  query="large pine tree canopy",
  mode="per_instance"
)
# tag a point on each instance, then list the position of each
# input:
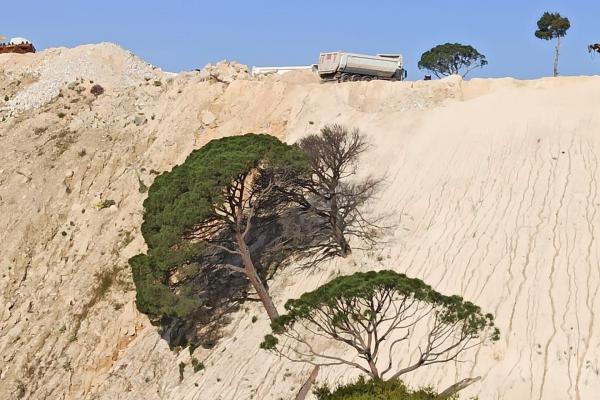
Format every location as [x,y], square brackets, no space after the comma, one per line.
[368,285]
[372,312]
[186,197]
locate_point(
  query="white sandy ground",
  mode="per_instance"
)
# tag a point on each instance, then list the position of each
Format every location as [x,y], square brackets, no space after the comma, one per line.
[492,184]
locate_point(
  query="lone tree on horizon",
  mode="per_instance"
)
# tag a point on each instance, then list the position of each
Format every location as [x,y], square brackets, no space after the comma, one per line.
[553,26]
[452,59]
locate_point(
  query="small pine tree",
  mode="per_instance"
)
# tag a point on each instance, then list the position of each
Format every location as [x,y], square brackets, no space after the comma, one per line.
[553,26]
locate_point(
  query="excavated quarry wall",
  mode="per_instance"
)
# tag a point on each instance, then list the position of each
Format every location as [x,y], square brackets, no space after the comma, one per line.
[492,186]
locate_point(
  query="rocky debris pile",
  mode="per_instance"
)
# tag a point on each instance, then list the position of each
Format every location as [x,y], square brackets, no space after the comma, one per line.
[105,63]
[224,71]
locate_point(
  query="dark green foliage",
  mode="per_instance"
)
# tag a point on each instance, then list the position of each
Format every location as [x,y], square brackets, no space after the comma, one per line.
[364,309]
[365,285]
[106,204]
[451,58]
[142,186]
[197,365]
[181,371]
[552,26]
[364,389]
[192,348]
[270,342]
[178,281]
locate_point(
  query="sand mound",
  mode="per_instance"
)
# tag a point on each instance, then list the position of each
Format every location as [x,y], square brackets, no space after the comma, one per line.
[105,64]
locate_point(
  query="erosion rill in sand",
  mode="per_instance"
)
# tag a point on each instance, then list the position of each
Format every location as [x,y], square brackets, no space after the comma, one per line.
[493,184]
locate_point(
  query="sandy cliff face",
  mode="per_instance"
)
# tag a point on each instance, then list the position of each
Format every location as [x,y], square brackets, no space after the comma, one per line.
[493,184]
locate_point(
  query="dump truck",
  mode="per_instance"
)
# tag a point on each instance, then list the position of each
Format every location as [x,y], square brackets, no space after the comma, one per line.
[342,67]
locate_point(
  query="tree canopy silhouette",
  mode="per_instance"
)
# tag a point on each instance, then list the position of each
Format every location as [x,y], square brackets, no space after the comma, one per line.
[452,58]
[331,199]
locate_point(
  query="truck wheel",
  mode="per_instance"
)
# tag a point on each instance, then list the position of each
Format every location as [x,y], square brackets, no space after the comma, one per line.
[345,78]
[356,78]
[366,78]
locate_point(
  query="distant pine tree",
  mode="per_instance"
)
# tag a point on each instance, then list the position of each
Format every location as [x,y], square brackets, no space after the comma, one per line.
[553,26]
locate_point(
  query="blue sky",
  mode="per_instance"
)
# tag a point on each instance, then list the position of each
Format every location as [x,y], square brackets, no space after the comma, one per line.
[183,35]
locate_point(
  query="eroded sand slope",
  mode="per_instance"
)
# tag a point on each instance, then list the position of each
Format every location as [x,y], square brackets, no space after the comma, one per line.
[492,183]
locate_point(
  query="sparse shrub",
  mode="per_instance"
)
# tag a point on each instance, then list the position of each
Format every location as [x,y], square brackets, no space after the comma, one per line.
[127,238]
[6,98]
[364,389]
[197,365]
[67,366]
[97,90]
[181,371]
[82,153]
[157,83]
[106,203]
[105,281]
[21,390]
[142,188]
[61,114]
[254,319]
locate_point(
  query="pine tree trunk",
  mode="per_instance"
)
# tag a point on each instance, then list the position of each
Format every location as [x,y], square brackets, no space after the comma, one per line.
[254,279]
[556,55]
[374,371]
[457,387]
[340,239]
[308,384]
[338,234]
